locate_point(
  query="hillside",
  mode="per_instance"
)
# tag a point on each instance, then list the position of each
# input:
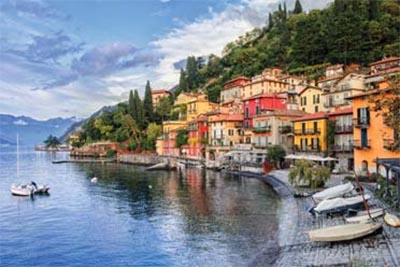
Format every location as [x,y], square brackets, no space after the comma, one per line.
[357,31]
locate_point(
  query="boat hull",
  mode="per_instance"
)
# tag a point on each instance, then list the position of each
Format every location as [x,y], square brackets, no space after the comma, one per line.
[364,216]
[392,220]
[343,232]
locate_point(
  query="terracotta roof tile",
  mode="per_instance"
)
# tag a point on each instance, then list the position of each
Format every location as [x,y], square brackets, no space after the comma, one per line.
[313,116]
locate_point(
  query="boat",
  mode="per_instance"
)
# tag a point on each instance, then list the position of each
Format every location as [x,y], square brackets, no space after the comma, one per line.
[333,192]
[363,216]
[343,232]
[158,166]
[23,190]
[40,189]
[392,220]
[339,204]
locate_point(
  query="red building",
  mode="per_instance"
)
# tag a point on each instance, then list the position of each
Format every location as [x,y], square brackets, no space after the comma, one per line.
[253,106]
[198,137]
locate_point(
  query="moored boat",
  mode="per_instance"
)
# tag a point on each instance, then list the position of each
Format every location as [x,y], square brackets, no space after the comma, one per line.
[392,220]
[333,192]
[339,205]
[23,190]
[343,232]
[363,216]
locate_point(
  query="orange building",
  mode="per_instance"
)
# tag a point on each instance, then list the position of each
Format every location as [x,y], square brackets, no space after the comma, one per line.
[158,94]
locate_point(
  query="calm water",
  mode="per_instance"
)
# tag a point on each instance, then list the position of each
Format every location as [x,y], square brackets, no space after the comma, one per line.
[132,217]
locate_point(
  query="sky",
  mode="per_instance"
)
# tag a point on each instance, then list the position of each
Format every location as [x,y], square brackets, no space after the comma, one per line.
[67,58]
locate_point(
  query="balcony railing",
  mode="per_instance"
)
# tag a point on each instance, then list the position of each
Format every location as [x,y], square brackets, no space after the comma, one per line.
[391,144]
[285,129]
[343,128]
[341,148]
[307,131]
[334,103]
[362,144]
[361,122]
[265,129]
[260,145]
[314,148]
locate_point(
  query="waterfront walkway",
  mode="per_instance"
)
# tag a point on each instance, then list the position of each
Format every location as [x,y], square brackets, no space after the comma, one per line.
[295,248]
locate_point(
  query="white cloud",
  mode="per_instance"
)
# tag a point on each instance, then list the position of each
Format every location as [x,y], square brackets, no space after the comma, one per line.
[20,122]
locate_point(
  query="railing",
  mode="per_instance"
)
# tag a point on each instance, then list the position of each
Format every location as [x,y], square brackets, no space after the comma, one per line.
[391,144]
[315,148]
[362,144]
[341,148]
[285,129]
[334,103]
[308,131]
[193,128]
[264,129]
[361,122]
[343,128]
[260,145]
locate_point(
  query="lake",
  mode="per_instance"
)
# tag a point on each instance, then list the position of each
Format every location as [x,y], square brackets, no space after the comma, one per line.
[132,217]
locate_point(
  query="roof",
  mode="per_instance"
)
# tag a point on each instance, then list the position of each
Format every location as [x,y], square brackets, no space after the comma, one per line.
[309,87]
[342,112]
[385,60]
[282,112]
[334,67]
[227,117]
[160,91]
[370,92]
[333,77]
[238,78]
[265,95]
[313,116]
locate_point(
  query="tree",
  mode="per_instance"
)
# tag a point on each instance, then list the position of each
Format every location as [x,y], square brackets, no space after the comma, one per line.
[181,138]
[163,108]
[297,7]
[182,87]
[148,104]
[131,103]
[52,141]
[152,132]
[192,73]
[139,115]
[308,173]
[276,154]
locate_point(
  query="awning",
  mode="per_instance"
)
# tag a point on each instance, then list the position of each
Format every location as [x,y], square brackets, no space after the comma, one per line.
[309,157]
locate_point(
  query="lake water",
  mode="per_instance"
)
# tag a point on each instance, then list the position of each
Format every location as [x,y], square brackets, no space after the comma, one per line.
[132,217]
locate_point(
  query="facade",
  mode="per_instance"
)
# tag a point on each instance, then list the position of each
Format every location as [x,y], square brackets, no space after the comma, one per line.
[310,99]
[265,83]
[232,89]
[332,74]
[372,137]
[350,84]
[310,133]
[198,137]
[156,95]
[342,148]
[198,105]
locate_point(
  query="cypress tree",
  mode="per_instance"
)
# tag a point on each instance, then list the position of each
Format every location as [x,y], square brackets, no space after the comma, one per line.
[270,21]
[148,104]
[191,70]
[131,105]
[139,115]
[182,87]
[297,7]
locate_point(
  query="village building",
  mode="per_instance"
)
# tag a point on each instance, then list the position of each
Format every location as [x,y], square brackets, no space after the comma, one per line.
[156,95]
[310,99]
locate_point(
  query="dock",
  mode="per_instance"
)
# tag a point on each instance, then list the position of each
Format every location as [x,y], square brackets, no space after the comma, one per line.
[84,161]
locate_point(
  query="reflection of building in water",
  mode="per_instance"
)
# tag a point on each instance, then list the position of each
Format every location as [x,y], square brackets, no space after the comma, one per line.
[197,189]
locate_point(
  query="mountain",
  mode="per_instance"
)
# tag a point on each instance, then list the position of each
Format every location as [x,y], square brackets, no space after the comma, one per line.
[31,131]
[78,124]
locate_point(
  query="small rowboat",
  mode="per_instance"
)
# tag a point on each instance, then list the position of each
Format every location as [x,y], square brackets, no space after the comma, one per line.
[392,220]
[333,192]
[363,216]
[343,232]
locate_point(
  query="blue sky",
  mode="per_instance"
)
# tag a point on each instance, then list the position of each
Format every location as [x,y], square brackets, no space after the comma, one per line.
[71,57]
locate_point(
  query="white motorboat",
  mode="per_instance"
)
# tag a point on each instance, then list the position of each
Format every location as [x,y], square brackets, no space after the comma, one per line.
[339,204]
[333,192]
[23,190]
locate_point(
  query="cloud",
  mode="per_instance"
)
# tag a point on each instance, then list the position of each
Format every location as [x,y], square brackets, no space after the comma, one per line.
[36,9]
[45,48]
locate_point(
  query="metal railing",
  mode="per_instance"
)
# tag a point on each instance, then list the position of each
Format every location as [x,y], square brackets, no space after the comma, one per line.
[344,128]
[362,144]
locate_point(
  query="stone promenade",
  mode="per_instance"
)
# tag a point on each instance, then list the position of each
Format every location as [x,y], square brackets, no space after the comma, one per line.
[295,248]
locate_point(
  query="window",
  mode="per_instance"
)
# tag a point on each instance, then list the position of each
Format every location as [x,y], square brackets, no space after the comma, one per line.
[257,110]
[303,127]
[246,125]
[363,116]
[317,99]
[316,108]
[246,114]
[315,127]
[230,132]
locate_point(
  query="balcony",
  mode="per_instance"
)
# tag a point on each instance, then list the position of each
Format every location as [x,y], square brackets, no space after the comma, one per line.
[362,144]
[343,128]
[309,148]
[362,122]
[307,131]
[285,129]
[335,103]
[260,146]
[391,144]
[193,128]
[265,129]
[341,148]
[238,124]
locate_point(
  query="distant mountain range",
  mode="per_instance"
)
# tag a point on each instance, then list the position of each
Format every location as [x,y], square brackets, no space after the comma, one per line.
[31,132]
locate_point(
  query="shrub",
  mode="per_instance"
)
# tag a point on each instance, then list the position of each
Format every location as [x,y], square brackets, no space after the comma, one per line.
[308,173]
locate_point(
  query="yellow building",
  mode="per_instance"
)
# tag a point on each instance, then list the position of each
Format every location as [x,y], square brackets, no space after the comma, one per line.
[265,83]
[311,99]
[310,132]
[199,105]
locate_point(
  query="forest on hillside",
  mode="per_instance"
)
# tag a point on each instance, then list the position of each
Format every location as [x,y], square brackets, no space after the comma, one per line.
[346,32]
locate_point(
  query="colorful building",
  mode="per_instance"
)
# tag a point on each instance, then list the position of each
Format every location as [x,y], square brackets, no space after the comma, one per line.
[342,147]
[310,133]
[232,89]
[156,95]
[197,137]
[198,105]
[265,83]
[310,99]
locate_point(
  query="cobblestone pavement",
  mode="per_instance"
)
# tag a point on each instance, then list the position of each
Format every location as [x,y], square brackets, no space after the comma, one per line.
[380,250]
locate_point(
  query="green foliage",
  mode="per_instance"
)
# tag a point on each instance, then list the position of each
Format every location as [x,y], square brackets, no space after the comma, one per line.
[148,105]
[330,136]
[297,7]
[132,146]
[163,108]
[276,154]
[52,141]
[181,138]
[111,153]
[308,173]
